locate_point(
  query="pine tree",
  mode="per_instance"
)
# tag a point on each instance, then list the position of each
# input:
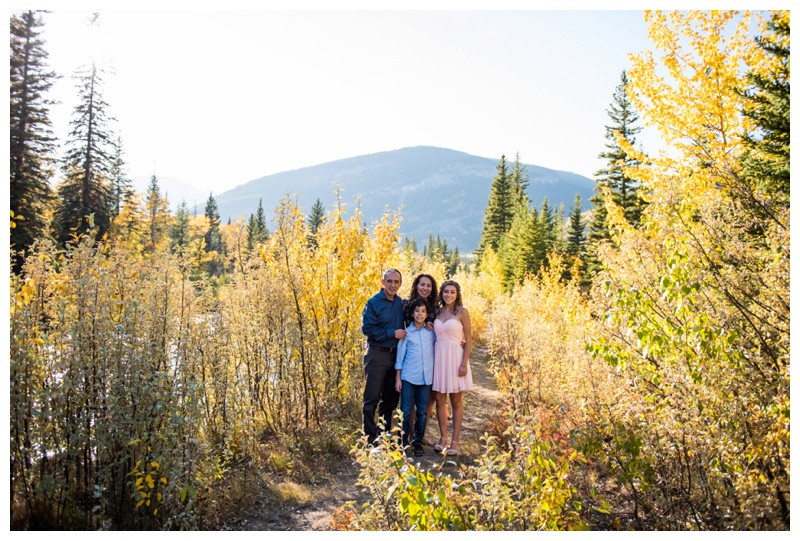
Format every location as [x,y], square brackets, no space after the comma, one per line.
[315,219]
[122,185]
[455,259]
[257,228]
[410,245]
[516,251]
[86,188]
[179,233]
[575,233]
[499,210]
[129,227]
[212,236]
[624,190]
[157,208]
[31,139]
[519,183]
[559,230]
[575,243]
[766,161]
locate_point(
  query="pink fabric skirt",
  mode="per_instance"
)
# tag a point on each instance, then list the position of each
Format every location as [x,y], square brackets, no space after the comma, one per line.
[447,358]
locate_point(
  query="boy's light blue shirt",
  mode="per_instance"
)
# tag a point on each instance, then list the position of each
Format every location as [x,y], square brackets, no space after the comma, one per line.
[415,356]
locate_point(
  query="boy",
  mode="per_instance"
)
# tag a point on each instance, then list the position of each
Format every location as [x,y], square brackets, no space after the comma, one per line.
[414,376]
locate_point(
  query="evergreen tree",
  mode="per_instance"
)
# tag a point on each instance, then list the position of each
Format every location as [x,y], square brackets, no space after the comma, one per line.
[499,210]
[543,236]
[410,245]
[766,161]
[31,139]
[257,228]
[129,227]
[212,236]
[559,230]
[122,185]
[624,190]
[180,231]
[517,249]
[455,259]
[157,208]
[575,240]
[86,187]
[315,220]
[519,183]
[575,233]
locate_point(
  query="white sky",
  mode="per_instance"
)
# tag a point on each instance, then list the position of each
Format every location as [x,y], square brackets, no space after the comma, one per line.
[218,98]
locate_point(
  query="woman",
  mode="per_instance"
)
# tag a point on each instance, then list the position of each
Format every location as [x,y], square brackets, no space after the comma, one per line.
[451,370]
[424,287]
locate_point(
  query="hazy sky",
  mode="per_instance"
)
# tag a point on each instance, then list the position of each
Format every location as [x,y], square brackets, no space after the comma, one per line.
[218,98]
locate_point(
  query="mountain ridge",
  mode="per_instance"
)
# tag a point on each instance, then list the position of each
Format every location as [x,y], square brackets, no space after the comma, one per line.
[441,191]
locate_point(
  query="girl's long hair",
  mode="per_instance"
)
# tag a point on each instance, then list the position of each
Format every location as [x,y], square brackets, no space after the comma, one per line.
[456,305]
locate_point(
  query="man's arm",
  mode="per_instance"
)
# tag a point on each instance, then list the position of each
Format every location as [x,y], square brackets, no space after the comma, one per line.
[371,325]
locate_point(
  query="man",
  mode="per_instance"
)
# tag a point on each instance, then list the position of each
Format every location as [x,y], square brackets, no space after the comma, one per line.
[382,323]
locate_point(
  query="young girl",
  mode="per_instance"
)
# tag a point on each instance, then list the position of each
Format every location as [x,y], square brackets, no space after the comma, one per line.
[451,370]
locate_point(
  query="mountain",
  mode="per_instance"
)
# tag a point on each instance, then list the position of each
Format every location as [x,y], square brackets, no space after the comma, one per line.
[441,191]
[176,191]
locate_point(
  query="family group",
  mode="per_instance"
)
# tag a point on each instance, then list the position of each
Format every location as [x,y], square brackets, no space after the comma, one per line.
[417,354]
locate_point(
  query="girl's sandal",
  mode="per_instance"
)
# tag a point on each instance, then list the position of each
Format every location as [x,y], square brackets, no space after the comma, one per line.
[441,445]
[453,451]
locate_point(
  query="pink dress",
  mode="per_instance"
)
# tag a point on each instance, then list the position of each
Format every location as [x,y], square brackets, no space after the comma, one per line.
[447,357]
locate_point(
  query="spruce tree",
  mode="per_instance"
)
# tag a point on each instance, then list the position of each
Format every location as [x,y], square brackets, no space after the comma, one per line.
[213,237]
[86,187]
[31,139]
[559,230]
[766,162]
[257,228]
[519,182]
[624,190]
[410,245]
[575,233]
[157,208]
[122,185]
[179,233]
[455,259]
[516,251]
[575,243]
[499,210]
[315,219]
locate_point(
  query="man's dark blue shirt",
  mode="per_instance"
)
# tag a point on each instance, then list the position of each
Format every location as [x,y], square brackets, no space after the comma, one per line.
[381,317]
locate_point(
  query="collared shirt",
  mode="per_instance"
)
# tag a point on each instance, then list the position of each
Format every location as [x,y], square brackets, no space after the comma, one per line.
[415,356]
[381,317]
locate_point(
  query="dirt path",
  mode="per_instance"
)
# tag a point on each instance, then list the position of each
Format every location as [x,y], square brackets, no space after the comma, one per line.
[314,504]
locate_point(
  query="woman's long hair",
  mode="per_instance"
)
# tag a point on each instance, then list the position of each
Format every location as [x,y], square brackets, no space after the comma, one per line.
[433,299]
[456,305]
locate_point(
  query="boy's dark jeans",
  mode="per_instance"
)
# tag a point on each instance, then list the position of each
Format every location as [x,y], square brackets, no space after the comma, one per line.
[414,395]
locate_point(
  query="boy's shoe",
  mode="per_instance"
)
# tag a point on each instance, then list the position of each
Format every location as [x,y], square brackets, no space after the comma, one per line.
[418,450]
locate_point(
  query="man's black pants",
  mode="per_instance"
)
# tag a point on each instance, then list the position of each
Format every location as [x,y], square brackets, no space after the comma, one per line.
[379,391]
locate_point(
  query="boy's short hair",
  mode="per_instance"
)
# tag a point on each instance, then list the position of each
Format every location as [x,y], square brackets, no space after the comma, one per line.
[419,301]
